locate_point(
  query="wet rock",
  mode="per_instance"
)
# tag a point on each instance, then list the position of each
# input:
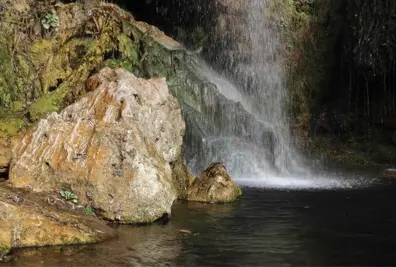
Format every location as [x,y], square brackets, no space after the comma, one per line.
[185,231]
[182,178]
[389,173]
[113,149]
[29,222]
[214,185]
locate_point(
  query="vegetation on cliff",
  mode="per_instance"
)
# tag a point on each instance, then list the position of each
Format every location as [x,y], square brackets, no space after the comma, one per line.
[44,67]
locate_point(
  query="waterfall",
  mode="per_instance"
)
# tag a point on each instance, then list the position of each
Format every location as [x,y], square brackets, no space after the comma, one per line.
[265,68]
[252,56]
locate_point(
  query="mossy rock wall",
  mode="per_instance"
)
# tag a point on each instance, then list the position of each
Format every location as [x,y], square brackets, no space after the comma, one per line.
[44,70]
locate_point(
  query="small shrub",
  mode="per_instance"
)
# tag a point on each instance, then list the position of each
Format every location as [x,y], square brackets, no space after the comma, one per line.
[50,20]
[89,211]
[69,196]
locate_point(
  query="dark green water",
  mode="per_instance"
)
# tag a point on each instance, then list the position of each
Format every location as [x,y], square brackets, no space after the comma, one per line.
[265,227]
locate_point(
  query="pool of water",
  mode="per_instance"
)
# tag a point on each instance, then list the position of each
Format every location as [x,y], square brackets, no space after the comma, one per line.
[344,226]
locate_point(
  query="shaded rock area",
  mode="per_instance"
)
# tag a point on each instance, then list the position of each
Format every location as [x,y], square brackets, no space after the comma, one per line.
[28,220]
[113,149]
[214,185]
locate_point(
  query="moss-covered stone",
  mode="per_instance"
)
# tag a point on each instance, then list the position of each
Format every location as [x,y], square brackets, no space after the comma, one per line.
[10,126]
[4,250]
[43,73]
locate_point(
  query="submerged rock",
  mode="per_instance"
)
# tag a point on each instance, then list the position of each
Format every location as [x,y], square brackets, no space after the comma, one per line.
[27,221]
[214,185]
[389,173]
[113,149]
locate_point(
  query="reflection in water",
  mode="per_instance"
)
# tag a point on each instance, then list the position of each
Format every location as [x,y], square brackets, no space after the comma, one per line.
[265,227]
[154,245]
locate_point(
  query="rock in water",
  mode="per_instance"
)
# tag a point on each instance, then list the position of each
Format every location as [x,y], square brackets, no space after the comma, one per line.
[389,173]
[29,222]
[214,185]
[113,148]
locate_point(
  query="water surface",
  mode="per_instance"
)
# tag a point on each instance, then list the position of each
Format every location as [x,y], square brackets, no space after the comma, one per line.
[350,226]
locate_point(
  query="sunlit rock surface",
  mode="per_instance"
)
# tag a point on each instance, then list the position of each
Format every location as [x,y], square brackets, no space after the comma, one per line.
[113,149]
[214,185]
[27,221]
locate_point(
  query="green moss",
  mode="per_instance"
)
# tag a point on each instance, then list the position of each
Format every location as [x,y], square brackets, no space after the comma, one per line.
[46,104]
[127,47]
[17,106]
[40,51]
[117,63]
[10,126]
[6,73]
[42,75]
[4,250]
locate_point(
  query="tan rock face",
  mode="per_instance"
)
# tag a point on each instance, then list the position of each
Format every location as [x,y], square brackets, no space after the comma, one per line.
[214,185]
[26,222]
[113,148]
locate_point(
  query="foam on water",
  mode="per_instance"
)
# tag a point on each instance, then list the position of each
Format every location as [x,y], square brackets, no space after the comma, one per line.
[331,181]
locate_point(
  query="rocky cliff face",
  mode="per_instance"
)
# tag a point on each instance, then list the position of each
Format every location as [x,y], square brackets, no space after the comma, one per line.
[113,149]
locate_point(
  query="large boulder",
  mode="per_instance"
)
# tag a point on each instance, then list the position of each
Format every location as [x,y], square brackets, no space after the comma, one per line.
[214,185]
[114,149]
[27,221]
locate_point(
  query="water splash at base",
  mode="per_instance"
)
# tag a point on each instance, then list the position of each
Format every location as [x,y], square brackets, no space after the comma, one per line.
[320,181]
